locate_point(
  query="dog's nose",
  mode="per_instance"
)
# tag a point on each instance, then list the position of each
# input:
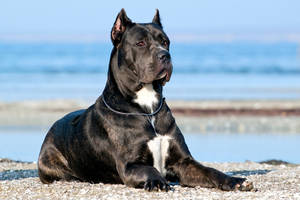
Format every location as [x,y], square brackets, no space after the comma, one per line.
[163,56]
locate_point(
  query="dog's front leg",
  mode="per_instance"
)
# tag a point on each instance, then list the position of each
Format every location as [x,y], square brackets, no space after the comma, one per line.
[142,176]
[191,173]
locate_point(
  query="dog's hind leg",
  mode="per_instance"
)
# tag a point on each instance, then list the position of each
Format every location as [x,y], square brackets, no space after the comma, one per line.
[52,166]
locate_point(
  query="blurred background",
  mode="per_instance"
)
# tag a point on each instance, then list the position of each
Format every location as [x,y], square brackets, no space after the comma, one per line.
[235,83]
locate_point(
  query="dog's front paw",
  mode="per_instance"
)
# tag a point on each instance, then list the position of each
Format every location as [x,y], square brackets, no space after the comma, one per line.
[156,184]
[235,183]
[245,186]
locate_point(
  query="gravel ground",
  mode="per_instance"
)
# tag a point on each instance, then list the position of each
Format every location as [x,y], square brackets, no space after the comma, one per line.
[19,181]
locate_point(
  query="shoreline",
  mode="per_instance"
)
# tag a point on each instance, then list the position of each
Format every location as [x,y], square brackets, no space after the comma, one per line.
[249,116]
[20,180]
[237,107]
[65,104]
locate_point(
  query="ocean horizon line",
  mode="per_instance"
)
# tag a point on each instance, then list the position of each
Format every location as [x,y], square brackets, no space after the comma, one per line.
[177,38]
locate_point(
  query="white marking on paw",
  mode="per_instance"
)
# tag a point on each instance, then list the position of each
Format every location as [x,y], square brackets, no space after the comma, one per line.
[159,148]
[247,185]
[146,96]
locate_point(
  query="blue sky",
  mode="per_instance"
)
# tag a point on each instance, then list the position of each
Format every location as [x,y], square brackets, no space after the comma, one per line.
[95,17]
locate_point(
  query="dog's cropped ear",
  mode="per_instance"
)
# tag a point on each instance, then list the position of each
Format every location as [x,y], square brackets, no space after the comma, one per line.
[120,25]
[156,19]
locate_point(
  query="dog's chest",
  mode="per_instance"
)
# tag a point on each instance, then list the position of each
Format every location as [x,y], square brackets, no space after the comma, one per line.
[159,147]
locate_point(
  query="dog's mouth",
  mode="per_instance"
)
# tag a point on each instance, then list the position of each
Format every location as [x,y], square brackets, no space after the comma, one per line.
[164,76]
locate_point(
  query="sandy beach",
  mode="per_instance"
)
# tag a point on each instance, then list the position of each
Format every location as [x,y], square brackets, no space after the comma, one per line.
[19,181]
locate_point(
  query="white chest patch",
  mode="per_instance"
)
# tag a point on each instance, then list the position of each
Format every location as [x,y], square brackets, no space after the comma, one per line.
[146,96]
[159,147]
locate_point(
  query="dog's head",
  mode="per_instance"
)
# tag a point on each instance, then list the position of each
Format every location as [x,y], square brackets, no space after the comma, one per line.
[142,49]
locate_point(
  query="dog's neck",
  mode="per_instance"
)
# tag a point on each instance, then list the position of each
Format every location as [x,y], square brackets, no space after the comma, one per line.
[146,99]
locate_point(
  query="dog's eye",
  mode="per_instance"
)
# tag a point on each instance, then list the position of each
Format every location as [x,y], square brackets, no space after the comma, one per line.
[140,44]
[164,43]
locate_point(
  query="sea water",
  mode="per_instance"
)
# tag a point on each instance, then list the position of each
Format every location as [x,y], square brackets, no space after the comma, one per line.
[237,70]
[24,145]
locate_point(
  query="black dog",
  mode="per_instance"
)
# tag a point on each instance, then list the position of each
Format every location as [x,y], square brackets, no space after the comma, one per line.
[129,135]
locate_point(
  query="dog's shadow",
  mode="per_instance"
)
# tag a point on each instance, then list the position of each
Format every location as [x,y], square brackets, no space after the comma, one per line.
[32,173]
[9,175]
[248,172]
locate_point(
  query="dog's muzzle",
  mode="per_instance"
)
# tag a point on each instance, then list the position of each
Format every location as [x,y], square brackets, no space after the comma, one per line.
[165,66]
